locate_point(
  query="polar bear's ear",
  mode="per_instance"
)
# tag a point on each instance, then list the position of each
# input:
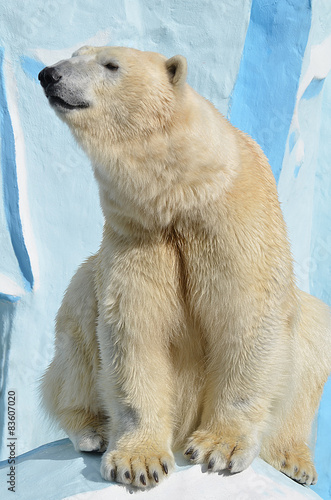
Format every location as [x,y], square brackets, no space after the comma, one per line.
[177,70]
[82,51]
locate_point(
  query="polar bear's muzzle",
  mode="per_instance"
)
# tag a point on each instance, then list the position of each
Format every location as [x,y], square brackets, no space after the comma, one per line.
[60,94]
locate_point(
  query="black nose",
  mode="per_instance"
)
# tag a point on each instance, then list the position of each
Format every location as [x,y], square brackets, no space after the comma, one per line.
[48,76]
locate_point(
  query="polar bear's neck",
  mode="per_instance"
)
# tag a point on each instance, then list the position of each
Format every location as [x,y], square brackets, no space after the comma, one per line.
[154,180]
[155,192]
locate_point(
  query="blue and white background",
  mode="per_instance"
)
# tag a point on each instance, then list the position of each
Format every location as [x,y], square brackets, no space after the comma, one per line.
[265,64]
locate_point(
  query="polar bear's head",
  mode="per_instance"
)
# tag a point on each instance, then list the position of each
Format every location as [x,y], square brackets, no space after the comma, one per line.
[114,92]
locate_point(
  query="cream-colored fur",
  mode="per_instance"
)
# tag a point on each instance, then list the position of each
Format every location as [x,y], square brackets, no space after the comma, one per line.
[186,330]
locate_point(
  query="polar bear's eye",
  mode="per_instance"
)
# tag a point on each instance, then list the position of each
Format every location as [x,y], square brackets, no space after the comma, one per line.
[111,66]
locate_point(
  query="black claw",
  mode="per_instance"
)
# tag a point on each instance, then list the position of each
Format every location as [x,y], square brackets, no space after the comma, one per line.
[211,463]
[127,474]
[156,477]
[194,455]
[188,451]
[113,474]
[143,479]
[230,465]
[165,468]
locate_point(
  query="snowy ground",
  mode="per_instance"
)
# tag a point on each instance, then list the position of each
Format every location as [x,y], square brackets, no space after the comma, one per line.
[56,472]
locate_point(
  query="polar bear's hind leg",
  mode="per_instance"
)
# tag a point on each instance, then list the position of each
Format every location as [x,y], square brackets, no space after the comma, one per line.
[287,449]
[69,388]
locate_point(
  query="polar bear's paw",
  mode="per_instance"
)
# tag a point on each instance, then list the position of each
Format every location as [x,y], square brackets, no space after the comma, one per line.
[295,463]
[223,450]
[88,439]
[142,468]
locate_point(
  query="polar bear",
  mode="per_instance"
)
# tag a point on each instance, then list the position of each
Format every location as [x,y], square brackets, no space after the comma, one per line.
[186,330]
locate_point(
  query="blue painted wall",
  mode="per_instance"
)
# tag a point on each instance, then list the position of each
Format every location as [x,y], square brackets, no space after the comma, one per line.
[276,41]
[264,64]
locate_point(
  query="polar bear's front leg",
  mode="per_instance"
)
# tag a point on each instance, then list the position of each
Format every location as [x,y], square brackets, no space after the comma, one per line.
[248,367]
[136,390]
[138,309]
